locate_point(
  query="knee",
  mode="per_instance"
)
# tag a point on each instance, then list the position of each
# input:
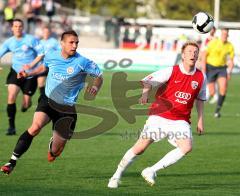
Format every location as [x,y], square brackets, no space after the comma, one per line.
[34,129]
[186,148]
[11,99]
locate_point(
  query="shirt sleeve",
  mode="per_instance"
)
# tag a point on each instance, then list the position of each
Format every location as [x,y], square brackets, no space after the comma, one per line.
[92,68]
[202,93]
[4,49]
[158,77]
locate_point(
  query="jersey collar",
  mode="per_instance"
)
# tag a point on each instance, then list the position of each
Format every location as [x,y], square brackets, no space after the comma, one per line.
[184,71]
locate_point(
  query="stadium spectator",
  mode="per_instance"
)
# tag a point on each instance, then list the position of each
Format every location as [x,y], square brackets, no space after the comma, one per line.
[179,86]
[2,4]
[67,68]
[217,62]
[29,16]
[50,9]
[36,6]
[136,31]
[26,50]
[108,29]
[149,33]
[8,14]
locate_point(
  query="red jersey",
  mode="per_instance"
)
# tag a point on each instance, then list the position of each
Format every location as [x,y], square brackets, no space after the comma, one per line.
[177,92]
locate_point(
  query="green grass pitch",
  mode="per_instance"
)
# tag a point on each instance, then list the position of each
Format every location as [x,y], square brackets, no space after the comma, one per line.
[212,168]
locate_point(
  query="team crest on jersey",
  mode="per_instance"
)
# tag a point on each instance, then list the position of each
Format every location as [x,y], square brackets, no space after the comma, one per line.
[194,84]
[70,70]
[24,47]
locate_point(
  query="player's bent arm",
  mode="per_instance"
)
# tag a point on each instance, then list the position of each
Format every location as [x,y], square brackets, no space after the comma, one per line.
[97,83]
[230,67]
[34,62]
[145,92]
[200,123]
[38,70]
[203,61]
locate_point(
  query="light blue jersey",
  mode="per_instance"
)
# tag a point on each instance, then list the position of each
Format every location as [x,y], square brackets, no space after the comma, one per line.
[24,50]
[50,44]
[66,77]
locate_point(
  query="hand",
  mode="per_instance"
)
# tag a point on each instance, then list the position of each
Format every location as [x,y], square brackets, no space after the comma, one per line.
[92,90]
[22,74]
[26,67]
[200,129]
[143,100]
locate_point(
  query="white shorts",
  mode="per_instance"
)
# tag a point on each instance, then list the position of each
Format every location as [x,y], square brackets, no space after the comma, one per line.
[158,128]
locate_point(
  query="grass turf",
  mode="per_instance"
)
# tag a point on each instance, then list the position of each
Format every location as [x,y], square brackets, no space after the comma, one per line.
[86,165]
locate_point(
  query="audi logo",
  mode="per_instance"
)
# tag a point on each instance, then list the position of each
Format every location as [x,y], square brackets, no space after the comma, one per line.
[183,95]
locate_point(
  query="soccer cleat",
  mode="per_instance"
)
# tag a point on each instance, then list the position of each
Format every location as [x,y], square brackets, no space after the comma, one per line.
[11,131]
[113,183]
[7,168]
[149,175]
[51,156]
[217,115]
[213,100]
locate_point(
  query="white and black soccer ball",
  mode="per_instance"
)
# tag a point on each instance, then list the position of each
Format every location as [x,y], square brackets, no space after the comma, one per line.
[202,22]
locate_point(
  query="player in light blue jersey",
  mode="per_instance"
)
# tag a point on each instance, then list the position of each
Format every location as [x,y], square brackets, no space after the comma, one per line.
[25,50]
[49,43]
[66,77]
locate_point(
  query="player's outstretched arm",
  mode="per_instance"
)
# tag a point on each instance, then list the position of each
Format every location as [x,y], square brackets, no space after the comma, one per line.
[33,63]
[145,93]
[97,83]
[200,123]
[203,61]
[38,70]
[230,68]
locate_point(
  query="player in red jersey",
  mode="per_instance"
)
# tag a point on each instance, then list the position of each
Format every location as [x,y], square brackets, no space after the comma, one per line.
[169,115]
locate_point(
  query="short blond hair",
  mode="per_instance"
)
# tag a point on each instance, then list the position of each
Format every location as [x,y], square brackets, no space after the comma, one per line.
[190,43]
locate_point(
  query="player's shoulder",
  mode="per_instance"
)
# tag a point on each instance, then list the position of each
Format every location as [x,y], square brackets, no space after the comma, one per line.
[53,39]
[213,41]
[80,57]
[230,44]
[9,40]
[28,36]
[52,54]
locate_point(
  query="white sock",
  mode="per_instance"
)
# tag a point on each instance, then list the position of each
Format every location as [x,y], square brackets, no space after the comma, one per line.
[127,159]
[169,159]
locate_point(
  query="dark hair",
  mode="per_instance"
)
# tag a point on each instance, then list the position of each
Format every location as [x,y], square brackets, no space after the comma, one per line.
[17,20]
[70,32]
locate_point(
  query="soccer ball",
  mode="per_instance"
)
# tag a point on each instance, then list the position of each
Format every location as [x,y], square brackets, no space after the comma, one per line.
[202,22]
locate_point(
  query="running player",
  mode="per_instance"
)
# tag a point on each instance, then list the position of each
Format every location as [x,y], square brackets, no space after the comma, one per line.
[66,77]
[26,50]
[217,63]
[179,87]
